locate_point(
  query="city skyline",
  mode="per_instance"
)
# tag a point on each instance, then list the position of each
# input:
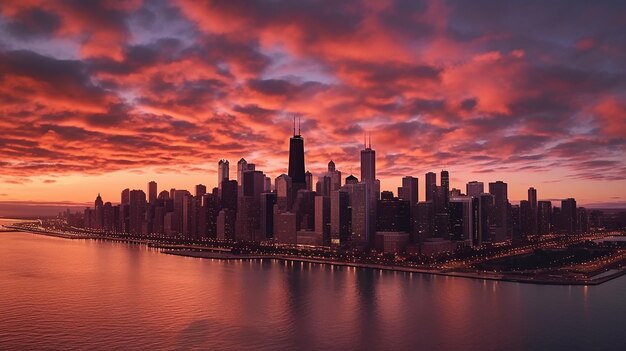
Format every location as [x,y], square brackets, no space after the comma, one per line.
[123,93]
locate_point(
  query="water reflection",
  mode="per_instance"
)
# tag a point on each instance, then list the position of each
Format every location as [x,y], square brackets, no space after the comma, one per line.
[64,294]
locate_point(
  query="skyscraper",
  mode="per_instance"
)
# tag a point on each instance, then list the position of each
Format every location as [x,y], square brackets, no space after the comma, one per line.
[222,172]
[474,188]
[532,201]
[368,163]
[409,190]
[485,210]
[569,216]
[431,187]
[532,198]
[335,176]
[137,210]
[360,201]
[125,198]
[445,190]
[284,192]
[323,185]
[500,207]
[544,217]
[242,166]
[322,217]
[296,161]
[99,213]
[152,192]
[526,219]
[372,191]
[200,190]
[340,217]
[268,200]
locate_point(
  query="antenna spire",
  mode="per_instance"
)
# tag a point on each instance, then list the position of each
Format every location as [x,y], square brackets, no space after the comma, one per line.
[294,124]
[299,125]
[370,140]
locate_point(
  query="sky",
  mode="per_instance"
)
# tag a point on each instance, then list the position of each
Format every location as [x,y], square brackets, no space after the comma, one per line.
[98,96]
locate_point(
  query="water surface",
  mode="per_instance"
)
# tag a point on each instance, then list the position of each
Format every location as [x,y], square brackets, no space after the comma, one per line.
[83,294]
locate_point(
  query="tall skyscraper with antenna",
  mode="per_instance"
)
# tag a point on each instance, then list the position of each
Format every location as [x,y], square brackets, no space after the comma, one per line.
[296,159]
[372,186]
[368,162]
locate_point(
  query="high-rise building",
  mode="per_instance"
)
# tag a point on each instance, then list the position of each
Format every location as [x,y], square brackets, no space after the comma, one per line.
[285,231]
[340,217]
[189,217]
[152,192]
[108,217]
[207,218]
[532,198]
[526,219]
[514,222]
[223,172]
[500,206]
[461,218]
[532,201]
[393,214]
[372,189]
[296,162]
[200,190]
[322,217]
[445,190]
[266,226]
[267,187]
[409,190]
[284,193]
[544,217]
[228,197]
[556,223]
[424,221]
[582,220]
[569,216]
[137,211]
[360,202]
[242,166]
[335,176]
[431,187]
[323,185]
[351,179]
[99,213]
[485,209]
[368,164]
[253,183]
[248,221]
[177,216]
[125,198]
[164,195]
[474,188]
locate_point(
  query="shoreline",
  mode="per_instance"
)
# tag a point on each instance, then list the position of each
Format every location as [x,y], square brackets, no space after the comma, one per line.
[195,251]
[506,277]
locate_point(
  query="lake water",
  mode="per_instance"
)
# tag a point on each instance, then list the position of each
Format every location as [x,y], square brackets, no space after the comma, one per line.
[81,294]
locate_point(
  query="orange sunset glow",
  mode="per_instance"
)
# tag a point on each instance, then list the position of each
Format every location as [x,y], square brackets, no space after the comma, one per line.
[100,96]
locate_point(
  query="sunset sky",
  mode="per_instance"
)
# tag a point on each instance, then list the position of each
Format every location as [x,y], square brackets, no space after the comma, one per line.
[97,96]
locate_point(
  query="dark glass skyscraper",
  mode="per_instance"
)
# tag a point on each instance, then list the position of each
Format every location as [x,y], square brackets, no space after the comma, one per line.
[296,161]
[368,164]
[152,192]
[499,190]
[431,186]
[445,189]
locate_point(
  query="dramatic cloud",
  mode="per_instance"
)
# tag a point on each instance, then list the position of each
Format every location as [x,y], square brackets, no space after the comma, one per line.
[487,87]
